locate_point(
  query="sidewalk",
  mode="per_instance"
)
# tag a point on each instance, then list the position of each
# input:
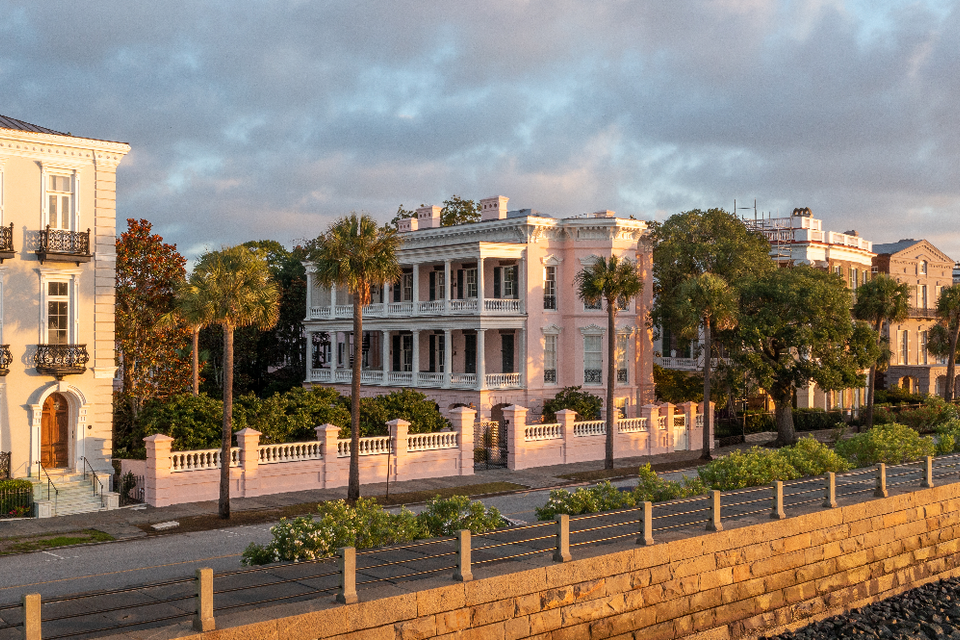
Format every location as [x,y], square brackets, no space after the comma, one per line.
[123,523]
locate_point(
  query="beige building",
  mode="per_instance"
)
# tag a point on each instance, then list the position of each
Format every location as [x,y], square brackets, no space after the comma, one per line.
[57,267]
[927,270]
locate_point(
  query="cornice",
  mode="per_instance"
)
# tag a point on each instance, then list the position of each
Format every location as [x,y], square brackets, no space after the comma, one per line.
[32,139]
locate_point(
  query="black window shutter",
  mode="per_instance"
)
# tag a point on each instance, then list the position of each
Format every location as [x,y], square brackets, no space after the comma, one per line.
[433,352]
[496,282]
[470,353]
[460,283]
[397,286]
[396,353]
[433,287]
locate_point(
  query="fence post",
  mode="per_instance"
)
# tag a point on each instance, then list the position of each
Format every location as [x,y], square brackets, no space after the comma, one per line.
[249,442]
[830,490]
[651,412]
[927,482]
[562,552]
[348,575]
[566,418]
[646,524]
[463,420]
[516,418]
[31,616]
[777,513]
[881,490]
[464,572]
[156,474]
[398,430]
[334,472]
[203,620]
[714,524]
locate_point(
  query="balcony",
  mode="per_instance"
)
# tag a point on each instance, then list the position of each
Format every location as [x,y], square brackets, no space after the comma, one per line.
[59,360]
[424,308]
[685,364]
[922,312]
[418,380]
[58,245]
[6,359]
[6,243]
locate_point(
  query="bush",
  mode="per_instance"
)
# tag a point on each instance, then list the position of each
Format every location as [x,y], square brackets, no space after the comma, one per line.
[585,404]
[16,498]
[422,413]
[948,437]
[928,416]
[366,526]
[897,395]
[887,443]
[651,488]
[758,466]
[816,419]
[676,387]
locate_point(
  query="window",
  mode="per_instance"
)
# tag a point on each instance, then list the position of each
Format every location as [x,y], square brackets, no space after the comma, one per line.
[922,268]
[550,360]
[620,404]
[403,352]
[923,347]
[60,201]
[592,360]
[406,287]
[505,282]
[904,347]
[550,288]
[854,274]
[436,352]
[922,296]
[437,291]
[593,306]
[622,345]
[469,283]
[58,313]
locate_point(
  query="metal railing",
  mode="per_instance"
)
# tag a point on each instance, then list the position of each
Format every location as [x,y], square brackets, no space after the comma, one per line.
[95,480]
[6,359]
[50,485]
[353,570]
[60,245]
[6,241]
[59,360]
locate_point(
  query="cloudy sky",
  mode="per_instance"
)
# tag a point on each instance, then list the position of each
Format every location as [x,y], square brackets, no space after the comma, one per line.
[254,120]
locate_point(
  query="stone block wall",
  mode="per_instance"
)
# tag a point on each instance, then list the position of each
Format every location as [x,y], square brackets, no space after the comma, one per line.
[737,583]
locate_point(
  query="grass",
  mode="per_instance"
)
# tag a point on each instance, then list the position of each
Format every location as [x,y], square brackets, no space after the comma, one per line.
[629,472]
[9,546]
[211,521]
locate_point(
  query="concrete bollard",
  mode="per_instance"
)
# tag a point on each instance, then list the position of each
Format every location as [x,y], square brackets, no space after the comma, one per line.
[830,490]
[562,552]
[714,523]
[646,524]
[777,513]
[927,482]
[881,490]
[31,616]
[203,620]
[348,575]
[464,572]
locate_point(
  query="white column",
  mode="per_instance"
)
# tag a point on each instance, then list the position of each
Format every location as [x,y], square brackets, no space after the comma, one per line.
[416,292]
[480,285]
[385,354]
[333,301]
[416,353]
[481,361]
[309,293]
[447,356]
[309,363]
[446,286]
[522,356]
[522,283]
[334,353]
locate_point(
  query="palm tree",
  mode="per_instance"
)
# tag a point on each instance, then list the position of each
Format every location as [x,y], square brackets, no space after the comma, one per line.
[190,308]
[355,253]
[880,301]
[706,301]
[232,288]
[946,334]
[615,280]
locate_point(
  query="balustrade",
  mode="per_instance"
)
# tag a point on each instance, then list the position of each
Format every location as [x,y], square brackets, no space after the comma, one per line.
[502,305]
[631,425]
[289,452]
[428,379]
[400,308]
[503,380]
[534,432]
[431,307]
[465,305]
[432,441]
[320,375]
[400,377]
[201,459]
[368,446]
[590,428]
[468,380]
[371,376]
[60,245]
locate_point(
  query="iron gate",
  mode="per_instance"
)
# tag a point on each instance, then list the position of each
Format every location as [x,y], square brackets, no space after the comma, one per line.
[490,445]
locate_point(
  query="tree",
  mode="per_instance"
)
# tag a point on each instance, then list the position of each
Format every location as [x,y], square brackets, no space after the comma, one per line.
[232,288]
[356,254]
[456,210]
[880,301]
[584,403]
[687,246]
[795,328]
[192,309]
[944,335]
[615,280]
[148,270]
[706,301]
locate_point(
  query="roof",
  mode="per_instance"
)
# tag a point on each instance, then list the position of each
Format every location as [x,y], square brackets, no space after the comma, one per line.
[893,247]
[20,125]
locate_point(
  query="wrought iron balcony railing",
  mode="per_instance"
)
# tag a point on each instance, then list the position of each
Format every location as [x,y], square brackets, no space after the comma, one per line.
[6,243]
[6,359]
[59,360]
[58,245]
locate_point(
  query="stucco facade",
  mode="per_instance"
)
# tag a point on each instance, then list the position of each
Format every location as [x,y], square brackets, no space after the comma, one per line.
[58,214]
[486,314]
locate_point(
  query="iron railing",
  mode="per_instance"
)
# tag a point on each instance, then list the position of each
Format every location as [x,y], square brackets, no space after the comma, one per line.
[50,486]
[6,359]
[16,502]
[95,480]
[60,245]
[59,360]
[4,465]
[6,242]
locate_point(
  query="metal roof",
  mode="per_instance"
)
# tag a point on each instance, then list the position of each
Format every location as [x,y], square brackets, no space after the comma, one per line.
[20,125]
[894,247]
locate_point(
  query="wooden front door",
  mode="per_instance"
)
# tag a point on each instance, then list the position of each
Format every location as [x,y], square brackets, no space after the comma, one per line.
[54,438]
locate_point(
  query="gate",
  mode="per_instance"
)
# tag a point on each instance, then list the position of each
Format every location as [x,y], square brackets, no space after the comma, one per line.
[490,445]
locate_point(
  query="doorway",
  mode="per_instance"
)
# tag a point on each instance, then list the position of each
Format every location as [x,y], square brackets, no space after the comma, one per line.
[54,433]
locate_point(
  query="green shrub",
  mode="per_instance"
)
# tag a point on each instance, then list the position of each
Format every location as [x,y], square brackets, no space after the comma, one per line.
[600,497]
[887,443]
[758,466]
[585,404]
[421,412]
[813,458]
[883,414]
[446,516]
[928,416]
[816,419]
[16,498]
[651,488]
[948,437]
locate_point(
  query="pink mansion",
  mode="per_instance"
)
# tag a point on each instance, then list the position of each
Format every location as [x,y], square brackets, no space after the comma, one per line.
[486,314]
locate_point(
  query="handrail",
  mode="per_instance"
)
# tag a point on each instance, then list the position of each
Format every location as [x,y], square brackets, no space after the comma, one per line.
[56,492]
[96,480]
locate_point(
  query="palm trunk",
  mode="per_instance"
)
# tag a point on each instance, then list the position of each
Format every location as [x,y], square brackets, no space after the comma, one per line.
[227,421]
[952,363]
[871,383]
[611,380]
[783,412]
[353,488]
[196,361]
[707,414]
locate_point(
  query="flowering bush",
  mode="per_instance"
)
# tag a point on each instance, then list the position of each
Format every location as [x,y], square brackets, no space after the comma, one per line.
[446,516]
[887,443]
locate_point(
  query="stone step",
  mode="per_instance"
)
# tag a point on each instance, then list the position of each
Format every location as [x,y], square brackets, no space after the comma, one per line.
[72,496]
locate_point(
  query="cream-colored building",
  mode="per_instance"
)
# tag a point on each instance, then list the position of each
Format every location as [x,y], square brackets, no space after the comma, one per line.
[57,269]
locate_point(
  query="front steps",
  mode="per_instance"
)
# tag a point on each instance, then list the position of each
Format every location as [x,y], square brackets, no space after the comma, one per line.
[73,495]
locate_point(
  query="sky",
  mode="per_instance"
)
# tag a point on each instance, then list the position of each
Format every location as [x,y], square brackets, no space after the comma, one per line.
[268,120]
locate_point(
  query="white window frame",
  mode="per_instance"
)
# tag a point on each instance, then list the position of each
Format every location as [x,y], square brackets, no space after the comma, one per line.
[470,283]
[73,301]
[550,344]
[922,268]
[50,171]
[621,350]
[550,286]
[591,334]
[904,347]
[923,348]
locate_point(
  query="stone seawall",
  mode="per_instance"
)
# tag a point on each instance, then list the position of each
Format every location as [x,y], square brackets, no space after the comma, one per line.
[737,583]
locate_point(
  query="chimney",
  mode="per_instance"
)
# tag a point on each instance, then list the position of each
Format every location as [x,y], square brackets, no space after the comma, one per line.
[428,217]
[606,213]
[406,224]
[494,208]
